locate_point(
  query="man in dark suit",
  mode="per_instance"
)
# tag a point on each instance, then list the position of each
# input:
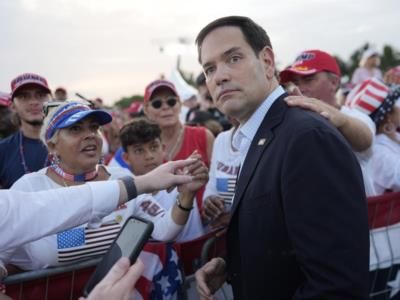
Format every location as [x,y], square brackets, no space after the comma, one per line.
[298,226]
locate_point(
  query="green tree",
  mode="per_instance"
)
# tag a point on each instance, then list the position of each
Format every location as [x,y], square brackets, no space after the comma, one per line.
[125,102]
[390,57]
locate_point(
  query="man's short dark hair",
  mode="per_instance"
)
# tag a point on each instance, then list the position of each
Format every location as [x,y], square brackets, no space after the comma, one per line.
[138,132]
[254,34]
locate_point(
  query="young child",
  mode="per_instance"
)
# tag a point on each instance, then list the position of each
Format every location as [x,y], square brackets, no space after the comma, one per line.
[143,152]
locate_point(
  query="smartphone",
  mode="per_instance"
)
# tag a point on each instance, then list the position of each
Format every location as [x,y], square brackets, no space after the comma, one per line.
[129,243]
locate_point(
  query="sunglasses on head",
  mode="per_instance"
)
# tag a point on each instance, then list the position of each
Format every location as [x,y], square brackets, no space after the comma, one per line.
[48,106]
[157,103]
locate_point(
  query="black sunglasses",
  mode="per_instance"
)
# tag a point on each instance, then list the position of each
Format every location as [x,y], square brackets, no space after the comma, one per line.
[157,103]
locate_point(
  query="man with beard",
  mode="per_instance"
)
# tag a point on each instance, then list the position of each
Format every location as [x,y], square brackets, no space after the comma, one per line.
[23,152]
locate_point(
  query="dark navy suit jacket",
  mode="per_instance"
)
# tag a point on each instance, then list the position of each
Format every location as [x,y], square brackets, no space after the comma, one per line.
[299,226]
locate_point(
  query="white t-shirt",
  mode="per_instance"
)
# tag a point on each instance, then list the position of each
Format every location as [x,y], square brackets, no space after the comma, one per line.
[40,212]
[89,239]
[224,167]
[194,227]
[385,164]
[365,156]
[361,74]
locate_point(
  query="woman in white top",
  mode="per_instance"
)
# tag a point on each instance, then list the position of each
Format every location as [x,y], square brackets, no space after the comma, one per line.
[71,133]
[382,104]
[369,67]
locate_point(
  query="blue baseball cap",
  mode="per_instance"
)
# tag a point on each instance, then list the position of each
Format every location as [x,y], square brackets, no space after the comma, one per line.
[72,113]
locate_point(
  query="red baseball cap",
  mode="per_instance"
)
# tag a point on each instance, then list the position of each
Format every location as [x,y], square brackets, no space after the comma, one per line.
[310,62]
[135,107]
[5,99]
[157,84]
[28,78]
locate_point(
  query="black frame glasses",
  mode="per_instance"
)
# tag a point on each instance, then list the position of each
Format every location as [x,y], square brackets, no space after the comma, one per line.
[47,106]
[157,103]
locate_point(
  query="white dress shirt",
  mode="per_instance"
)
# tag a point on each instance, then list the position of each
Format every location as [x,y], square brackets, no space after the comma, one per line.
[245,133]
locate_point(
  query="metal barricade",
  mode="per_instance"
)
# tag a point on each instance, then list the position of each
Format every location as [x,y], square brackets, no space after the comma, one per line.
[67,282]
[384,224]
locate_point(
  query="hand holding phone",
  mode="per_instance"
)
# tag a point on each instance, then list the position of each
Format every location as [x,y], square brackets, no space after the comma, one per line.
[129,243]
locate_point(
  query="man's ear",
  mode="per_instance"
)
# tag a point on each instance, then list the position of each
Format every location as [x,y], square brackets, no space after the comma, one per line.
[12,106]
[335,81]
[266,55]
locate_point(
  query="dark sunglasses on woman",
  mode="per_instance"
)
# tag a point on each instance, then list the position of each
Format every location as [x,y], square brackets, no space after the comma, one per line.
[157,103]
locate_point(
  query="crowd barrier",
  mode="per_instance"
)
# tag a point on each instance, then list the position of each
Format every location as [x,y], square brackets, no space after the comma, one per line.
[174,262]
[384,224]
[67,282]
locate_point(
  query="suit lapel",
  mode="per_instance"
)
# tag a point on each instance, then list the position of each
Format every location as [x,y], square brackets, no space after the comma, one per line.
[262,139]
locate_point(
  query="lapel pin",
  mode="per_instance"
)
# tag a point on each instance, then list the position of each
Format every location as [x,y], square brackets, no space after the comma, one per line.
[261,142]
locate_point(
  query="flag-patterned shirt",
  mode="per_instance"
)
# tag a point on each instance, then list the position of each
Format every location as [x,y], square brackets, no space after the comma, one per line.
[225,163]
[89,239]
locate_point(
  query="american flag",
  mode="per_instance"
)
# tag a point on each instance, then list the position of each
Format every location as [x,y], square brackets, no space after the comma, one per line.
[162,278]
[226,188]
[83,242]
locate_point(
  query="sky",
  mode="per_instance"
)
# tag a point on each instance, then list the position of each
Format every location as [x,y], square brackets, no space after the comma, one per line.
[111,48]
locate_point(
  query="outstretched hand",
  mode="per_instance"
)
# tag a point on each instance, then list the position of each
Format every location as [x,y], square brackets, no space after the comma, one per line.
[166,176]
[198,171]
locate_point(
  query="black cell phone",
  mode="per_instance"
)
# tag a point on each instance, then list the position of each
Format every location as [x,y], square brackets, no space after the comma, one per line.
[129,243]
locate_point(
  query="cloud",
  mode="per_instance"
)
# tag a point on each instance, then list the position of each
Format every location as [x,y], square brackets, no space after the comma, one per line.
[112,48]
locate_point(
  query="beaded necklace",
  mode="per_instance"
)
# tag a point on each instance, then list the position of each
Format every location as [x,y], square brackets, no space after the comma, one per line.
[22,155]
[70,177]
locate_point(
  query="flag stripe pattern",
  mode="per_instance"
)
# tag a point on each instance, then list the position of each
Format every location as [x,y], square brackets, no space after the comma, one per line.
[367,96]
[82,242]
[226,188]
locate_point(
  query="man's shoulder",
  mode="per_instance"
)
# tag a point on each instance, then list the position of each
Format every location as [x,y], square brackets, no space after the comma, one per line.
[10,140]
[298,119]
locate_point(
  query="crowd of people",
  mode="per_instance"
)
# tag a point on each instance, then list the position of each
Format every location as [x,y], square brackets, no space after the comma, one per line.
[283,161]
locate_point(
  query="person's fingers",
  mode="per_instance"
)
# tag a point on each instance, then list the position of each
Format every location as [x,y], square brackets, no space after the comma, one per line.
[201,284]
[219,202]
[221,232]
[181,163]
[128,281]
[296,91]
[182,179]
[118,270]
[211,209]
[221,221]
[307,103]
[216,202]
[325,114]
[195,166]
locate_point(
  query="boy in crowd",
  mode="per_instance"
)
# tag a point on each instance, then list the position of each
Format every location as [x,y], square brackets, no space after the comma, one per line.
[143,152]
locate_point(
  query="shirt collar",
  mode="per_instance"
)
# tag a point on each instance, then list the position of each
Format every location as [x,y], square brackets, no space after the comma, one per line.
[247,131]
